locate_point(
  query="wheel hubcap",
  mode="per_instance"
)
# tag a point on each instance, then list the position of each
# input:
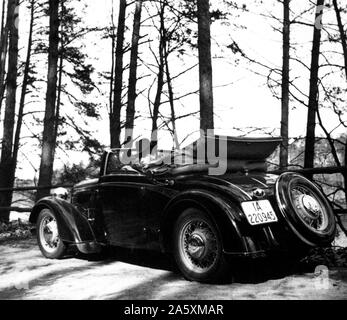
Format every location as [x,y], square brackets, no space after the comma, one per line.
[49,233]
[309,208]
[198,246]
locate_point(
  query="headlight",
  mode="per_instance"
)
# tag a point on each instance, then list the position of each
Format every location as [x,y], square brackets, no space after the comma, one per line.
[61,193]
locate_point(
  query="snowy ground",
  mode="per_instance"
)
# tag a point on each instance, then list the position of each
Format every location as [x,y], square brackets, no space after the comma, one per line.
[25,274]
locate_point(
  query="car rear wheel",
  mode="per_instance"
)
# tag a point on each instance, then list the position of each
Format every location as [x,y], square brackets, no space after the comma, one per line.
[48,238]
[198,248]
[306,209]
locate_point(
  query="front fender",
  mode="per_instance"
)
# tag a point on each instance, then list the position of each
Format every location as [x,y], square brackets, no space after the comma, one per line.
[72,225]
[223,212]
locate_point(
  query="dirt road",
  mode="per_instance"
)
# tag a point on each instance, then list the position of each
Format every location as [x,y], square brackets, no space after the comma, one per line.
[25,274]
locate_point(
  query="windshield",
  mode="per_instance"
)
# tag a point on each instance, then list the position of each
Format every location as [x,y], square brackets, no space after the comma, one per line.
[130,162]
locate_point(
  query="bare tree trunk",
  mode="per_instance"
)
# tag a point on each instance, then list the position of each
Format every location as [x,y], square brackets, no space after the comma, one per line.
[3,16]
[205,66]
[342,33]
[160,79]
[115,115]
[156,106]
[313,96]
[130,114]
[171,101]
[285,86]
[59,90]
[60,72]
[24,87]
[6,165]
[112,60]
[171,95]
[3,50]
[344,49]
[49,138]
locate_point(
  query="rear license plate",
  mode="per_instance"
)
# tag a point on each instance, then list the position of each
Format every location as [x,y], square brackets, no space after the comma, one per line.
[259,212]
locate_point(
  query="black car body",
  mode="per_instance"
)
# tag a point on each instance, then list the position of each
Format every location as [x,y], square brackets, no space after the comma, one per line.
[183,210]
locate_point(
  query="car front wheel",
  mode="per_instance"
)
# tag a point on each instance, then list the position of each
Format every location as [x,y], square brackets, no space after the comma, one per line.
[198,248]
[48,238]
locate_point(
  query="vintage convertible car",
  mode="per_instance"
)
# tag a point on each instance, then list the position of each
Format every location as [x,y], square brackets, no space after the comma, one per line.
[205,222]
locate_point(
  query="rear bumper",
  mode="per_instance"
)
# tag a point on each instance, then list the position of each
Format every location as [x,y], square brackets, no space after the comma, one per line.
[257,254]
[262,242]
[253,255]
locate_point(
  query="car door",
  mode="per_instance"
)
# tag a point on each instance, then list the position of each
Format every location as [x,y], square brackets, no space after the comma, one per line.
[155,198]
[120,196]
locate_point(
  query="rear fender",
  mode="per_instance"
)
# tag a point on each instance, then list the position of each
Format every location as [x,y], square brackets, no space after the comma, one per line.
[224,213]
[72,225]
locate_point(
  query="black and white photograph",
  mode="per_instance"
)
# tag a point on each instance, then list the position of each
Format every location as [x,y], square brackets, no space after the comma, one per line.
[191,152]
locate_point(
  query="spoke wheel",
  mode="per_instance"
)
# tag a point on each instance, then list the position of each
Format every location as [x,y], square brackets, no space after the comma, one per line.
[306,210]
[310,209]
[197,247]
[48,237]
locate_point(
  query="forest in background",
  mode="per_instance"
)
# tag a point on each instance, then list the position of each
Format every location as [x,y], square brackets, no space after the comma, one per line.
[54,96]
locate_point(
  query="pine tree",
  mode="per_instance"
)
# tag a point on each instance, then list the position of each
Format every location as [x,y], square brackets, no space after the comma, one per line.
[132,95]
[205,66]
[4,47]
[313,96]
[115,112]
[7,164]
[285,86]
[49,138]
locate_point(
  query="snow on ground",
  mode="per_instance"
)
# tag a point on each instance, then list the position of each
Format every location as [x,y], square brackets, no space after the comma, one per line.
[25,274]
